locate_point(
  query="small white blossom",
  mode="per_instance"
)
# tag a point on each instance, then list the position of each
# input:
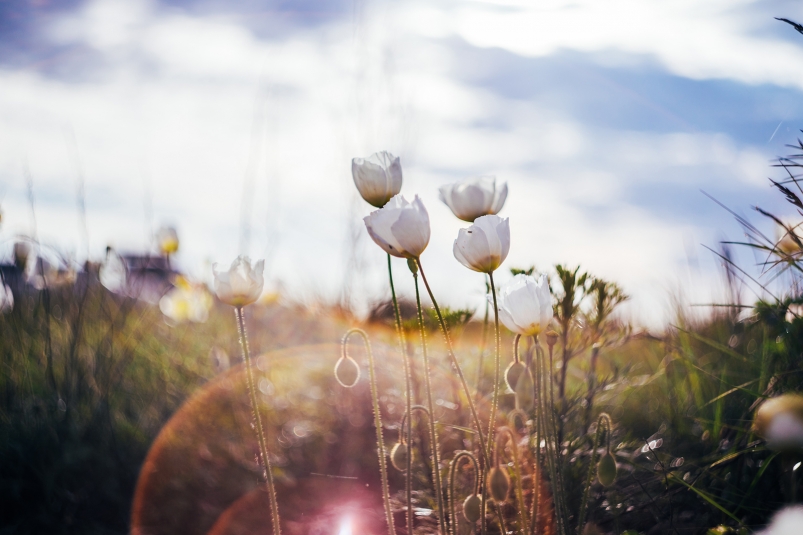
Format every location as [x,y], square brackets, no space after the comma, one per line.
[474,197]
[378,177]
[400,228]
[525,305]
[484,245]
[241,285]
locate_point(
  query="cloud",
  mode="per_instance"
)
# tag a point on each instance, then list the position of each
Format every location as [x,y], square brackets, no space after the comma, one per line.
[178,110]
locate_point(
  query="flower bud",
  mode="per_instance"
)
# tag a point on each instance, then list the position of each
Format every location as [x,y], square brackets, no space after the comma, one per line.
[347,372]
[606,470]
[551,338]
[398,457]
[412,265]
[498,484]
[472,508]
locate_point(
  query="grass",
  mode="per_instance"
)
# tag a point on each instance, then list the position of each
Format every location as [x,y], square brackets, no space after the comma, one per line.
[89,381]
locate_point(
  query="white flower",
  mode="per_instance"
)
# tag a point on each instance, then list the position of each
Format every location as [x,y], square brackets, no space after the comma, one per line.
[241,285]
[6,299]
[186,302]
[378,177]
[167,238]
[525,304]
[787,521]
[400,228]
[474,197]
[484,245]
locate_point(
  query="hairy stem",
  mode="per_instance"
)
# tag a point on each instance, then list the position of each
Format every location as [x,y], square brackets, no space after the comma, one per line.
[408,395]
[452,470]
[495,400]
[603,423]
[483,446]
[433,435]
[263,448]
[450,349]
[383,468]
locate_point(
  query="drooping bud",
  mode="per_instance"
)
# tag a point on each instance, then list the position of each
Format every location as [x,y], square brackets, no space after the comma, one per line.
[498,484]
[412,265]
[606,470]
[398,457]
[513,374]
[347,372]
[472,508]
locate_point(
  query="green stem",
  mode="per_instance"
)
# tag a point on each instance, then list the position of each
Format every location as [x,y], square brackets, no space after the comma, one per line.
[466,391]
[408,394]
[383,468]
[433,435]
[484,341]
[544,407]
[497,366]
[603,423]
[450,350]
[460,455]
[263,448]
[495,400]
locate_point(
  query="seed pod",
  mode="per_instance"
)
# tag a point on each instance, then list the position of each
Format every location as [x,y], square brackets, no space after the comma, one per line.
[472,508]
[513,373]
[551,337]
[347,372]
[498,484]
[398,457]
[606,470]
[525,391]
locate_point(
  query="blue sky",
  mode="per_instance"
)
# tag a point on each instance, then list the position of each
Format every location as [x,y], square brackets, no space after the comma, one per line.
[606,119]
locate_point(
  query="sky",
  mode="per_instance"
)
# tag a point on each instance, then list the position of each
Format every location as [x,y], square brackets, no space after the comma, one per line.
[236,123]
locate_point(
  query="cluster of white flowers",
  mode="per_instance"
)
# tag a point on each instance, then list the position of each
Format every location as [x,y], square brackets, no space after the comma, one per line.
[402,229]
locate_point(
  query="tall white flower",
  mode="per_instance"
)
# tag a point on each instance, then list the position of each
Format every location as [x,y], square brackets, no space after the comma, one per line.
[484,245]
[400,228]
[378,177]
[474,197]
[241,285]
[525,304]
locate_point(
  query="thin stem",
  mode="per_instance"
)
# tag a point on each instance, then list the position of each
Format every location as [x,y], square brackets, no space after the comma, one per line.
[433,435]
[544,423]
[484,341]
[263,448]
[483,448]
[463,383]
[408,395]
[383,469]
[497,365]
[603,423]
[460,455]
[514,446]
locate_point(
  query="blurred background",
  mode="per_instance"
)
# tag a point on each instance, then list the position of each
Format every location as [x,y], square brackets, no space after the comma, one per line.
[235,122]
